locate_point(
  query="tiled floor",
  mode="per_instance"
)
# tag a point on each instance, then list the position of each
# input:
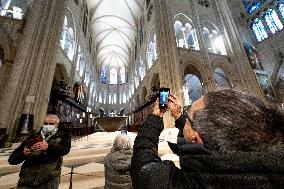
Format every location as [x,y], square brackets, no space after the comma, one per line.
[86,157]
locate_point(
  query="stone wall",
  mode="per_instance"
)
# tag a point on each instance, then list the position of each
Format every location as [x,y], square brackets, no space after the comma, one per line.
[10,35]
[75,12]
[269,50]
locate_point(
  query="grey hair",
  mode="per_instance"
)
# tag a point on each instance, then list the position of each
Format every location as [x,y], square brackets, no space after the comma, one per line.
[232,121]
[53,116]
[122,142]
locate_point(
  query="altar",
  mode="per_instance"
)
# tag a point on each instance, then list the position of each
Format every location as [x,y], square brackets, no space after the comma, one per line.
[111,124]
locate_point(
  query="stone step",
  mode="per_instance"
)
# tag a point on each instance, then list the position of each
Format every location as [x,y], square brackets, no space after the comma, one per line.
[67,161]
[91,175]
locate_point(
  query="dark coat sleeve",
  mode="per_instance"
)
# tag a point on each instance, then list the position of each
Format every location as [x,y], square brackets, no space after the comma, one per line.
[17,155]
[60,148]
[148,170]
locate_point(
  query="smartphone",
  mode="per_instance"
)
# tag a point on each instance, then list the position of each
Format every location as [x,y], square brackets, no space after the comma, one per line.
[164,94]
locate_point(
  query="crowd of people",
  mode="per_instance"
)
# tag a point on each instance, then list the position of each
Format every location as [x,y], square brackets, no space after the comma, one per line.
[227,139]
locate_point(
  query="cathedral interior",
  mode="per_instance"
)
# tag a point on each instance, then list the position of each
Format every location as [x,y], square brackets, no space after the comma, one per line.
[92,62]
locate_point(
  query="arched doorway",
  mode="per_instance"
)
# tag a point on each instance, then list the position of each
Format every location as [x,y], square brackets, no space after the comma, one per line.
[192,88]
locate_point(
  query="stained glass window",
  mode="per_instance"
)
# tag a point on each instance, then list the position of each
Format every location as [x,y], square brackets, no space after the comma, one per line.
[105,98]
[281,9]
[136,81]
[80,66]
[67,41]
[114,98]
[152,49]
[141,69]
[78,60]
[113,76]
[132,88]
[124,98]
[273,21]
[122,75]
[213,40]
[185,32]
[259,30]
[129,92]
[100,98]
[252,5]
[81,63]
[103,75]
[87,75]
[110,99]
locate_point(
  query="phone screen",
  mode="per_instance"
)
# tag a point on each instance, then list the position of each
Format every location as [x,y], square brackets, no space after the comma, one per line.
[163,97]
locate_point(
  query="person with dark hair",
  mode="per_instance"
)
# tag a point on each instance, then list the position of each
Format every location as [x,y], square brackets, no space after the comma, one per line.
[232,140]
[118,164]
[42,155]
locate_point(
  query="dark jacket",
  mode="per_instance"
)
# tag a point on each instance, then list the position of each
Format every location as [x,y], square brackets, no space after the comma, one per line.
[200,167]
[117,170]
[43,166]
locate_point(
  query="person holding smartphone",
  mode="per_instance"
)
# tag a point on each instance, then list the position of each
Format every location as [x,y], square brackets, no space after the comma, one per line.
[233,140]
[42,155]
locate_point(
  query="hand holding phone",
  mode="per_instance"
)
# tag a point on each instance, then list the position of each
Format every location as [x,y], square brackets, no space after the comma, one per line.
[174,106]
[164,94]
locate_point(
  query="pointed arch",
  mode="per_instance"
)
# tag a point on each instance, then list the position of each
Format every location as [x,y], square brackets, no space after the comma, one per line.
[185,32]
[151,52]
[213,38]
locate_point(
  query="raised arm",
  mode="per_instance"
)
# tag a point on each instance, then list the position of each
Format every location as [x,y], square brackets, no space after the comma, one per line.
[148,171]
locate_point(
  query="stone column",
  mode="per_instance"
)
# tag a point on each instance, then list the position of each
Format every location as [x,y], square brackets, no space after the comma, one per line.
[237,55]
[28,89]
[208,80]
[170,73]
[169,63]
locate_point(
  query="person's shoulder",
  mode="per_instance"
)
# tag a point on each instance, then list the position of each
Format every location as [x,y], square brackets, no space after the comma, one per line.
[61,134]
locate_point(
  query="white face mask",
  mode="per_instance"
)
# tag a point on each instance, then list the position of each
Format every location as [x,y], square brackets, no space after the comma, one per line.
[48,128]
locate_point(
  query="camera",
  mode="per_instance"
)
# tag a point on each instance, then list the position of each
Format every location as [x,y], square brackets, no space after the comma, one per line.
[164,94]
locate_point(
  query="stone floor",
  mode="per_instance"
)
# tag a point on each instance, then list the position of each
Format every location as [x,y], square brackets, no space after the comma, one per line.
[87,158]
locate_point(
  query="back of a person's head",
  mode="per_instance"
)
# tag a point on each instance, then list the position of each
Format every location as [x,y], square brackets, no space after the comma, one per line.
[122,142]
[235,121]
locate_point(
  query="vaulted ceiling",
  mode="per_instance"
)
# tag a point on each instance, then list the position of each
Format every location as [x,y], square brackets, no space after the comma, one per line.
[114,24]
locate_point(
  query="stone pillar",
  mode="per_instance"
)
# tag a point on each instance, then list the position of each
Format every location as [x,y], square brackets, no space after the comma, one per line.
[170,73]
[28,89]
[237,52]
[208,80]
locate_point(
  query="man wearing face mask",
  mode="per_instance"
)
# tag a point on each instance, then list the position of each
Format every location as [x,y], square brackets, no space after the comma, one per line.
[42,155]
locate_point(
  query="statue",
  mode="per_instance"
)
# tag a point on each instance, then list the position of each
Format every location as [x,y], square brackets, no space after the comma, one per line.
[79,93]
[111,112]
[102,112]
[121,112]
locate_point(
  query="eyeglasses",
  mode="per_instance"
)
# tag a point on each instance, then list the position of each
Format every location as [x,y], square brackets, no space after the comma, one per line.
[47,123]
